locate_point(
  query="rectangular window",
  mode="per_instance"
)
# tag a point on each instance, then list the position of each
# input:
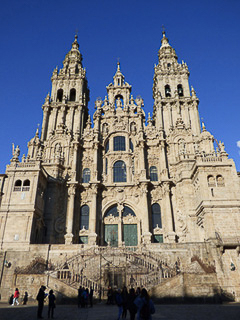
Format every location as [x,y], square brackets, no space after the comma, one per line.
[158,238]
[119,143]
[83,239]
[106,165]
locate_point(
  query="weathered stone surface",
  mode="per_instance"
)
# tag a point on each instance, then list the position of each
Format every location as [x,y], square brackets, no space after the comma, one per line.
[89,190]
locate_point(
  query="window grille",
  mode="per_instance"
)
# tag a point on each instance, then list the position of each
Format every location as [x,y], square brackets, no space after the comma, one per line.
[119,172]
[156,216]
[119,143]
[84,217]
[86,175]
[153,173]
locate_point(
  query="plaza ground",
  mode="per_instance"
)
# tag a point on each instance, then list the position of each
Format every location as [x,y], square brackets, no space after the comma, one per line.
[105,312]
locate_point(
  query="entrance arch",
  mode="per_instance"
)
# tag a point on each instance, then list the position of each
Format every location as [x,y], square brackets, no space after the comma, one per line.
[120,226]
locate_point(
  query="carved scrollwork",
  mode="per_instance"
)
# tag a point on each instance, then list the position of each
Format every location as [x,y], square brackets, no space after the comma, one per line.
[72,189]
[166,188]
[111,219]
[129,219]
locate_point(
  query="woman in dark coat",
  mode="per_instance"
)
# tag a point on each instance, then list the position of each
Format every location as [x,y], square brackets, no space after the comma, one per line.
[40,298]
[51,303]
[131,305]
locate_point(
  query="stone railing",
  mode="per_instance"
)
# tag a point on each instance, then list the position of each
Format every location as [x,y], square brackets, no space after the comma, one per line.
[99,267]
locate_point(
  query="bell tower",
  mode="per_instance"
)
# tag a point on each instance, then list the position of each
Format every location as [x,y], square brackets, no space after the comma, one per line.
[66,108]
[171,92]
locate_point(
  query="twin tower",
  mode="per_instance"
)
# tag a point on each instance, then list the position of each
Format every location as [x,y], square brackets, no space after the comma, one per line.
[120,179]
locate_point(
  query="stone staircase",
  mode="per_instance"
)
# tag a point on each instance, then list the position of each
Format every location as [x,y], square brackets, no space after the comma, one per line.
[102,267]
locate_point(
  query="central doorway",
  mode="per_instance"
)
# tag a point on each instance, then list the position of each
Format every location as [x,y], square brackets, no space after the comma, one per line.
[130,234]
[111,234]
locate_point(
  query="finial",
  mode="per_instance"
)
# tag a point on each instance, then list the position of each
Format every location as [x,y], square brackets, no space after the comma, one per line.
[193,92]
[203,125]
[118,64]
[149,118]
[37,131]
[163,31]
[75,44]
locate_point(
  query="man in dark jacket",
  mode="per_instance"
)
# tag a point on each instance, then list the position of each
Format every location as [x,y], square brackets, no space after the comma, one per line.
[40,298]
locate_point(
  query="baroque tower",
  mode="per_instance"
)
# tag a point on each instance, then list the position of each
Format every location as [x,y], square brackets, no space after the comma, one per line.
[161,183]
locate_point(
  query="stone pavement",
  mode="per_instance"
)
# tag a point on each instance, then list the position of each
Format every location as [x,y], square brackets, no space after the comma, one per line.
[105,312]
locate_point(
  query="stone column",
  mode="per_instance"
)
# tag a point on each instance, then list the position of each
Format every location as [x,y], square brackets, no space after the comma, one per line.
[168,212]
[95,164]
[160,117]
[70,123]
[70,213]
[170,119]
[53,118]
[196,118]
[44,123]
[142,161]
[146,234]
[163,160]
[92,236]
[74,164]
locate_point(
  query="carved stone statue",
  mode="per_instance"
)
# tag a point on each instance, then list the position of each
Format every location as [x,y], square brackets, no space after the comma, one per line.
[15,152]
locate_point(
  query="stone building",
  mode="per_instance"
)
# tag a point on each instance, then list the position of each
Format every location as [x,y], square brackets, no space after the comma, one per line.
[122,180]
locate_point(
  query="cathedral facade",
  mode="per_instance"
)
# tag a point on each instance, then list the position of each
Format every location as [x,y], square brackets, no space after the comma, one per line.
[122,178]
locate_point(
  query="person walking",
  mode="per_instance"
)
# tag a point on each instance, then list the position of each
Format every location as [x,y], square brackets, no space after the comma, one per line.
[125,300]
[51,304]
[145,306]
[40,298]
[79,296]
[25,298]
[15,297]
[130,304]
[91,297]
[119,302]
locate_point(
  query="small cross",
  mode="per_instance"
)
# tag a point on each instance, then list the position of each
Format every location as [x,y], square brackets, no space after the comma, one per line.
[163,29]
[76,32]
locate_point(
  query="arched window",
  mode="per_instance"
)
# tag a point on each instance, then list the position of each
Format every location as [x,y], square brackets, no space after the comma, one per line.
[180,90]
[211,181]
[17,185]
[127,211]
[107,146]
[60,95]
[220,181]
[153,173]
[26,185]
[119,172]
[156,216]
[86,175]
[84,217]
[119,143]
[167,91]
[72,95]
[112,211]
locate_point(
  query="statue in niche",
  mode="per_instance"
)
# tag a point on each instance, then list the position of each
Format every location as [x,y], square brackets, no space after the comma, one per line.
[133,128]
[182,146]
[105,128]
[58,150]
[119,103]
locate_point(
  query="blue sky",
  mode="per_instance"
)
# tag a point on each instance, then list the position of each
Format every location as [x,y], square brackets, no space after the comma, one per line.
[36,35]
